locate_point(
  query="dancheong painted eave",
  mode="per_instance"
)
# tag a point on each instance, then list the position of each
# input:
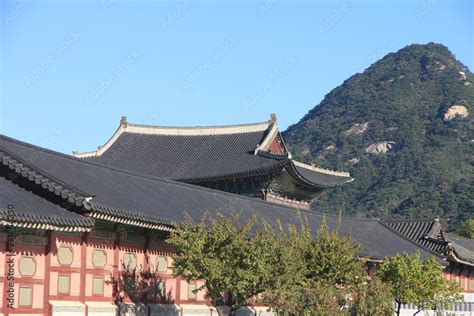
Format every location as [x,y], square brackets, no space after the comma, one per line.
[200,154]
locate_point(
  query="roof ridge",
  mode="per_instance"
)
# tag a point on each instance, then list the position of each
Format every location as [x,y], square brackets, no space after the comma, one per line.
[126,127]
[407,221]
[201,126]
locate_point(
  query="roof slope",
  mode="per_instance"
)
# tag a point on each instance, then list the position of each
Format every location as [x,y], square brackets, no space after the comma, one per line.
[30,210]
[131,197]
[187,152]
[192,154]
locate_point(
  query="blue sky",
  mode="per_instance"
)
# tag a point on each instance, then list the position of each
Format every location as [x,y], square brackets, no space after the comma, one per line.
[69,71]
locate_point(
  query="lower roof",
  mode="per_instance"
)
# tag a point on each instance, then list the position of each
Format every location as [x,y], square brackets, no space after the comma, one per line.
[145,201]
[23,208]
[430,235]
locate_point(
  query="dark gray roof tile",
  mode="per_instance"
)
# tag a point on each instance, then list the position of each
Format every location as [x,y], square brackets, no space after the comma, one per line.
[30,208]
[154,200]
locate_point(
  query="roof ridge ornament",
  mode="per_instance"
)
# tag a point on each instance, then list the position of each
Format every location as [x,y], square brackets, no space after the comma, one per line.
[123,121]
[272,133]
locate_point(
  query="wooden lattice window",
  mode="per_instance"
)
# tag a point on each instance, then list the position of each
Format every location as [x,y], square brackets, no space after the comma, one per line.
[65,255]
[98,285]
[99,258]
[192,295]
[27,266]
[26,296]
[64,284]
[130,260]
[161,264]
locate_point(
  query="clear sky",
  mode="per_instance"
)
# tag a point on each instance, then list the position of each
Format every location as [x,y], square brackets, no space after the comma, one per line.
[70,69]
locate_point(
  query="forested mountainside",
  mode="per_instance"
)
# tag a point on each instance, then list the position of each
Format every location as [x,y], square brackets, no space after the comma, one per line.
[404,129]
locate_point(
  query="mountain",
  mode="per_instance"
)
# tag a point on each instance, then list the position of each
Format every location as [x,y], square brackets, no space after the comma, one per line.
[404,129]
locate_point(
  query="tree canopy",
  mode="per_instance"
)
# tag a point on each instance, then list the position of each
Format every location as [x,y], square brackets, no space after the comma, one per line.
[219,251]
[412,281]
[467,229]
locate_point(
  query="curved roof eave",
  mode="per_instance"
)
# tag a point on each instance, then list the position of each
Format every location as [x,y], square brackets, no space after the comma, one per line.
[309,175]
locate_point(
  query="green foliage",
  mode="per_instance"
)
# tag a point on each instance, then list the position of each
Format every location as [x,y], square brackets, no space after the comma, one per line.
[467,229]
[315,277]
[412,281]
[403,98]
[332,258]
[219,251]
[372,298]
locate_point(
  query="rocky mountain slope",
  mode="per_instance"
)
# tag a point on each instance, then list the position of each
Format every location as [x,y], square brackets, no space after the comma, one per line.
[404,128]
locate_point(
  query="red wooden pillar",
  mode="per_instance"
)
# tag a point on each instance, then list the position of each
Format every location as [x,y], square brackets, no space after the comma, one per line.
[47,268]
[82,292]
[115,268]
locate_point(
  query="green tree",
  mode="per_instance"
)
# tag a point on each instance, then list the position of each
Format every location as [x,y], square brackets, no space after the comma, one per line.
[218,250]
[313,277]
[333,258]
[467,229]
[412,281]
[371,297]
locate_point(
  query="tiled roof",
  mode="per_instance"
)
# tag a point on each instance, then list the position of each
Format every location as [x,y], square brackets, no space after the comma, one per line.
[463,247]
[193,154]
[188,157]
[430,235]
[140,200]
[322,177]
[30,210]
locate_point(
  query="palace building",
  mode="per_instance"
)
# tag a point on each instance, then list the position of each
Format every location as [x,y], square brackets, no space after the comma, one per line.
[249,159]
[85,234]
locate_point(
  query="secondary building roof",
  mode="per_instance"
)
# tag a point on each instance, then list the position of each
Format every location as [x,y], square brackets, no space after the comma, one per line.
[430,235]
[115,195]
